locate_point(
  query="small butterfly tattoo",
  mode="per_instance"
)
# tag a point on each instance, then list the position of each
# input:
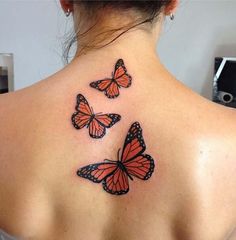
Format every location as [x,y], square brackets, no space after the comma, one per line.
[110,86]
[96,123]
[133,162]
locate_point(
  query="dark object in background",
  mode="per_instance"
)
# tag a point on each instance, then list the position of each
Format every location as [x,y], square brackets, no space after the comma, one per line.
[4,80]
[224,84]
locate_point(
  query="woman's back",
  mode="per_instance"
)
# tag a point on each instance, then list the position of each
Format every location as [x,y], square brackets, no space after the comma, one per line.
[188,162]
[189,195]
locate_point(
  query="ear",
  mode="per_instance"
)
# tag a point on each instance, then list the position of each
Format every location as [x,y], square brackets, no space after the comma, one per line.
[67,5]
[171,7]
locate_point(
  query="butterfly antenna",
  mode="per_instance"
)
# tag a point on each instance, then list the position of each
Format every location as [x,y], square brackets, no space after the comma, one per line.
[92,110]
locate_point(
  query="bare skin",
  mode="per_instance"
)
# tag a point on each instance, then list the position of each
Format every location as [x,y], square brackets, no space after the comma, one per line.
[191,194]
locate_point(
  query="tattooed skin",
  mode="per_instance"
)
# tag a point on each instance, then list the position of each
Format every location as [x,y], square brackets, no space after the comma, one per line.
[133,162]
[110,86]
[96,123]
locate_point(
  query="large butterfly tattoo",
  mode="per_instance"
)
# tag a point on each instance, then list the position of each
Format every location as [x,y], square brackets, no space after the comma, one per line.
[110,86]
[132,163]
[96,123]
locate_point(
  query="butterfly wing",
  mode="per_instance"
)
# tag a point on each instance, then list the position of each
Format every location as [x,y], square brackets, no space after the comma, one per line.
[82,105]
[97,172]
[108,120]
[96,129]
[112,91]
[109,87]
[141,166]
[116,183]
[124,81]
[122,78]
[120,69]
[134,143]
[101,85]
[82,117]
[80,120]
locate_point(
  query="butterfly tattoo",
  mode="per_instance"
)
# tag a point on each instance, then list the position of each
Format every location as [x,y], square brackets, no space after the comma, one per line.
[133,162]
[110,86]
[96,123]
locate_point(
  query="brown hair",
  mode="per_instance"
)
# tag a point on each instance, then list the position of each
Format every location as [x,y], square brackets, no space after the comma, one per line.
[89,14]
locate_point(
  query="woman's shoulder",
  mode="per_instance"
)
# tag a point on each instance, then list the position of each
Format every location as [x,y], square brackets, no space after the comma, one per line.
[214,168]
[196,140]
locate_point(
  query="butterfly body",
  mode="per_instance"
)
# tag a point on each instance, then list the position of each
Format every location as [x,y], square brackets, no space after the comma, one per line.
[96,123]
[91,119]
[132,163]
[110,86]
[121,166]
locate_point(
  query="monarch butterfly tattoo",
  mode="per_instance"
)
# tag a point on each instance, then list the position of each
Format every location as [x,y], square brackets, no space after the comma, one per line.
[96,123]
[132,163]
[110,86]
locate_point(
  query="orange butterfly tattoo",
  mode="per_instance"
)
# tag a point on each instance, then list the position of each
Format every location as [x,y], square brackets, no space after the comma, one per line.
[132,163]
[110,86]
[96,123]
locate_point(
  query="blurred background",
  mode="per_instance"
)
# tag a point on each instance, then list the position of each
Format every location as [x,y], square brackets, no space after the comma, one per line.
[34,31]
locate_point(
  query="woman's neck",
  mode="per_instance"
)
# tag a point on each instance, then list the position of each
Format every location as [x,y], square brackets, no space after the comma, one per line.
[137,49]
